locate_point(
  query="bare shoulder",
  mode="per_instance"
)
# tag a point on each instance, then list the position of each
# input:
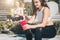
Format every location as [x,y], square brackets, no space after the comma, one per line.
[46,9]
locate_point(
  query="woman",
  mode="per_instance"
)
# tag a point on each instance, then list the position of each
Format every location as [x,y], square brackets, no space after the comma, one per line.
[42,26]
[17,12]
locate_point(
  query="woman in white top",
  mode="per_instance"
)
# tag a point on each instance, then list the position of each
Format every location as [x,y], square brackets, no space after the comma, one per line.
[40,24]
[18,11]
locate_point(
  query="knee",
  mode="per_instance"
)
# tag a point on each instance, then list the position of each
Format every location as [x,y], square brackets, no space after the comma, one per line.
[27,32]
[52,35]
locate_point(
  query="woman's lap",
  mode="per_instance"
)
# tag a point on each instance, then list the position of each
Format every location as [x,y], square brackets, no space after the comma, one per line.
[47,32]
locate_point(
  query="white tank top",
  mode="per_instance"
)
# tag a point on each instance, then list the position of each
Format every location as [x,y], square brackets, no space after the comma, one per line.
[39,16]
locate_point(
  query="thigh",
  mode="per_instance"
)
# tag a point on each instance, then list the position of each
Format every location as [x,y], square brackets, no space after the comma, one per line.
[38,34]
[49,32]
[27,32]
[28,35]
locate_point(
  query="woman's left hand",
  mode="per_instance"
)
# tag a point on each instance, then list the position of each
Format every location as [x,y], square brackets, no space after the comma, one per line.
[27,26]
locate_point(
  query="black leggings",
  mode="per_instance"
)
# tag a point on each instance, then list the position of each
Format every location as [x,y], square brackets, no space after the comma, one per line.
[46,32]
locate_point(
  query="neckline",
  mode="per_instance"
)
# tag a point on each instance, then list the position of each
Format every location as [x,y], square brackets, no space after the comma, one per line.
[41,9]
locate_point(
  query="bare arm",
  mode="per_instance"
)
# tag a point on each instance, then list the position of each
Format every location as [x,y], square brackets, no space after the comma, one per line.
[45,18]
[30,20]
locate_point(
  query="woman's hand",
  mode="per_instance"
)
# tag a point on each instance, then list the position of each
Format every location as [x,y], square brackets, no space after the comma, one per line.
[27,18]
[27,26]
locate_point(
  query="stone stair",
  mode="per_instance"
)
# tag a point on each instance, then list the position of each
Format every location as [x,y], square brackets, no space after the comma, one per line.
[3,14]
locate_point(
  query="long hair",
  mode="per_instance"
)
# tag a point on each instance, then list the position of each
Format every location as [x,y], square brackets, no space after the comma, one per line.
[43,3]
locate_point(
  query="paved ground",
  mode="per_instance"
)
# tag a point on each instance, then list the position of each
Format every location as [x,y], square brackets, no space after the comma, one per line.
[13,37]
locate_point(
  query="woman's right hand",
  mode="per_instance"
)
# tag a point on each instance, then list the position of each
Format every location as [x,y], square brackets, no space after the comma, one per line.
[30,21]
[27,18]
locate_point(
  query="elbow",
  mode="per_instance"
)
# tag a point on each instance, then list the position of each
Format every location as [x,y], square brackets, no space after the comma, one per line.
[42,24]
